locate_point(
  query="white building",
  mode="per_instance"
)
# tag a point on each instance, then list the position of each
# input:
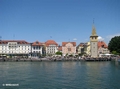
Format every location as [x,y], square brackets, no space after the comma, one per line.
[36,49]
[51,47]
[14,47]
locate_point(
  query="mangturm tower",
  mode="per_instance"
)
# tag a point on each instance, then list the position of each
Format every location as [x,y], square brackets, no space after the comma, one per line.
[94,42]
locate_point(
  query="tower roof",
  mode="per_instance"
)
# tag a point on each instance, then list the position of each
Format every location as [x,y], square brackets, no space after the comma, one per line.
[93,31]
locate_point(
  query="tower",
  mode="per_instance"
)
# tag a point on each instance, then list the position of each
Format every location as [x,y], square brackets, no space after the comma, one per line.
[93,43]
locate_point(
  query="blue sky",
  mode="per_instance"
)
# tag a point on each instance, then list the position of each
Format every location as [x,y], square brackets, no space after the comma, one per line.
[59,20]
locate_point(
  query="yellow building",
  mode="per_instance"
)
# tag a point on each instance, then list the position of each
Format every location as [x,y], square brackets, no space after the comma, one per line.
[84,48]
[88,48]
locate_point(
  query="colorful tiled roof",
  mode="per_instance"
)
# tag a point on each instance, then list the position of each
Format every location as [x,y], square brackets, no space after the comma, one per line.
[64,43]
[102,44]
[37,43]
[50,42]
[18,41]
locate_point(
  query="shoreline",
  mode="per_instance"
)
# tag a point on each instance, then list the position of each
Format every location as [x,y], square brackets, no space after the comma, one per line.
[56,59]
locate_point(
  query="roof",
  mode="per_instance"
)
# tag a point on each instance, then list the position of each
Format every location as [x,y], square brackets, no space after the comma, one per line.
[50,42]
[37,43]
[82,45]
[102,44]
[60,48]
[94,31]
[64,43]
[18,41]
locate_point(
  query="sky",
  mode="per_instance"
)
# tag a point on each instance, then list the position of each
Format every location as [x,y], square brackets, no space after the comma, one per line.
[59,20]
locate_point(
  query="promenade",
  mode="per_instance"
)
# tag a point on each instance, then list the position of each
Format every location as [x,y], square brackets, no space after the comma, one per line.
[58,59]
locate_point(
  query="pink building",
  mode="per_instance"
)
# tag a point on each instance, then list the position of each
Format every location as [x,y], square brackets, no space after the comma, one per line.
[68,48]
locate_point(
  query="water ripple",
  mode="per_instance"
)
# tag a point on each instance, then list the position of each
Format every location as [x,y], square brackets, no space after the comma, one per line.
[60,75]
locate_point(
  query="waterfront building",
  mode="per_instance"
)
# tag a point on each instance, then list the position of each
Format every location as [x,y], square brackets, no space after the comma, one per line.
[60,48]
[84,48]
[87,48]
[68,48]
[51,47]
[80,48]
[36,49]
[102,48]
[14,48]
[94,43]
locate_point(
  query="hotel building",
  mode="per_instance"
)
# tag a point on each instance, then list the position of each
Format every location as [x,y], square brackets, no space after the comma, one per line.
[14,47]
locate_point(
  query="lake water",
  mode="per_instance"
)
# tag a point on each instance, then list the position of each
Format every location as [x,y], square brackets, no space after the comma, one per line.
[60,75]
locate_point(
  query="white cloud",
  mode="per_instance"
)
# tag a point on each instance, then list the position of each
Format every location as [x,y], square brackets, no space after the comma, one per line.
[74,39]
[100,38]
[111,36]
[108,38]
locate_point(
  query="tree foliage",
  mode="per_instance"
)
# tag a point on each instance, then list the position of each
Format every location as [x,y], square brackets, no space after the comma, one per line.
[58,53]
[114,45]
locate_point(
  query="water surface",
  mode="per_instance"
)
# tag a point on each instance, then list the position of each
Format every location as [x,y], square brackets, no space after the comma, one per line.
[60,75]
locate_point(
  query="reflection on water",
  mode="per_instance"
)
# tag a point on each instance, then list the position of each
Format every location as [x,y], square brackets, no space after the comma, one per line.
[54,75]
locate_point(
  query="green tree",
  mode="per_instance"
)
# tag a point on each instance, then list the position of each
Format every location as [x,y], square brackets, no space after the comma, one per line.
[58,53]
[114,52]
[114,45]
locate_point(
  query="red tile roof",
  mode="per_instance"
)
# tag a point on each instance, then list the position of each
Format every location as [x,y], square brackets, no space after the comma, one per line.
[37,43]
[50,42]
[64,43]
[60,48]
[102,44]
[18,41]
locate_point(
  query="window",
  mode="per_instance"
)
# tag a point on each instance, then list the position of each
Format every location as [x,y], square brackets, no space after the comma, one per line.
[33,47]
[36,47]
[69,49]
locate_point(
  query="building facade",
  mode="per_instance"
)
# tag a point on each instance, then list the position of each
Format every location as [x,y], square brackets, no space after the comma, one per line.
[68,48]
[60,48]
[36,49]
[102,48]
[94,43]
[14,47]
[80,48]
[87,48]
[51,47]
[83,48]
